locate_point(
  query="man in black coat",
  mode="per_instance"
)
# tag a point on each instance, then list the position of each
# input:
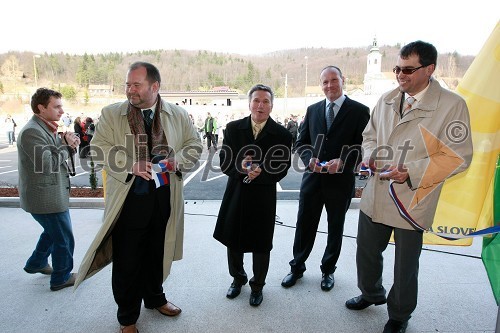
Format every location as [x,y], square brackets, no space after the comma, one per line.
[255,156]
[329,144]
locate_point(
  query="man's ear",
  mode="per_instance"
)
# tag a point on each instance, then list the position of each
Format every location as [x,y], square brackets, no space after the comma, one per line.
[430,69]
[156,86]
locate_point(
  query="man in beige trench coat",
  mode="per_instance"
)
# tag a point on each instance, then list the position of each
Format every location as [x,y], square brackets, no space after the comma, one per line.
[142,231]
[417,137]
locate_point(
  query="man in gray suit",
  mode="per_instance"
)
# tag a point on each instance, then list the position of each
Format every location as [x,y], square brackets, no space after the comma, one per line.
[44,187]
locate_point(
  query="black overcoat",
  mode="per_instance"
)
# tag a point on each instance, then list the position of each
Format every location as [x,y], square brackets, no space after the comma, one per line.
[247,213]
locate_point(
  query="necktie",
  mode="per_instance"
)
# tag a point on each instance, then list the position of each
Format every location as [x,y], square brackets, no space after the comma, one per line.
[147,118]
[409,102]
[330,116]
[256,130]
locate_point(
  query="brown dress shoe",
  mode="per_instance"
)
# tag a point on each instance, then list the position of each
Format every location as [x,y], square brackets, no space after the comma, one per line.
[129,329]
[47,270]
[70,282]
[169,309]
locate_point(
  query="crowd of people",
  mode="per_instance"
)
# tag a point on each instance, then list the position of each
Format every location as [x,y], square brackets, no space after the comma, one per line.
[142,230]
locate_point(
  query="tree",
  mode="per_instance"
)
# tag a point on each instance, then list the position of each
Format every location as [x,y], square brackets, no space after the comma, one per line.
[86,97]
[11,68]
[68,92]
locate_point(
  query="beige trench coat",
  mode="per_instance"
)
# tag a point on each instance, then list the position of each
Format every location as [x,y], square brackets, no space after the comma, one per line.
[442,118]
[115,148]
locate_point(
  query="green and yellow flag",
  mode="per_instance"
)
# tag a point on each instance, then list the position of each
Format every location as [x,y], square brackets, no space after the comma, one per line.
[491,245]
[466,201]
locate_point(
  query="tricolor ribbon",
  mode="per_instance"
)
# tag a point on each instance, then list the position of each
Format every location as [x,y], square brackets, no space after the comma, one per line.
[160,174]
[406,215]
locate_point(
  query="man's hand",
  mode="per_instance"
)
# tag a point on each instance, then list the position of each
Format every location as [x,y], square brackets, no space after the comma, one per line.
[314,165]
[171,163]
[397,173]
[333,166]
[142,169]
[246,164]
[71,139]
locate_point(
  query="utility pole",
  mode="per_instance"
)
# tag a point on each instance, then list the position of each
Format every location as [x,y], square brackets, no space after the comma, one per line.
[286,94]
[34,70]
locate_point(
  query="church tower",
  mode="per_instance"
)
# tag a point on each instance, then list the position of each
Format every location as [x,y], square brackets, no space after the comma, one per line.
[374,59]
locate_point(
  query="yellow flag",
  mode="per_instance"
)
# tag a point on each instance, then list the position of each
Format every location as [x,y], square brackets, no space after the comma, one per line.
[466,201]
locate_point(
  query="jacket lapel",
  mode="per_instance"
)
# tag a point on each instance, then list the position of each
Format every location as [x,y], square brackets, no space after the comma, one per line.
[344,110]
[246,127]
[320,116]
[45,129]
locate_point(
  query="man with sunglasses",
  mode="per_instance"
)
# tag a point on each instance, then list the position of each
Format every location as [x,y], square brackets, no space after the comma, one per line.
[417,137]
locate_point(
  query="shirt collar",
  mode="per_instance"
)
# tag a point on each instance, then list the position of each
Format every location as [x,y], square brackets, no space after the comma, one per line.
[152,108]
[51,125]
[418,96]
[261,125]
[338,102]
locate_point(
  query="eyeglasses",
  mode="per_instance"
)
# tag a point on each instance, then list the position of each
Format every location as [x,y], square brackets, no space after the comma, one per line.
[406,71]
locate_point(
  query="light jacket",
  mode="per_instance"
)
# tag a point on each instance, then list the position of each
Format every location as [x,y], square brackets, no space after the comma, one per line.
[115,148]
[433,141]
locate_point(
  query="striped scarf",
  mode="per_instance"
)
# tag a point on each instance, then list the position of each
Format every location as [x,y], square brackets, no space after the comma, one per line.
[146,150]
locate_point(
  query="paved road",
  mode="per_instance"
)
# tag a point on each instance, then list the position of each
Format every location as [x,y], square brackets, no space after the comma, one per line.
[206,182]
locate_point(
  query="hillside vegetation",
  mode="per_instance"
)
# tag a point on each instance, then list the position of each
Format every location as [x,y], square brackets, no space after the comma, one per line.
[183,70]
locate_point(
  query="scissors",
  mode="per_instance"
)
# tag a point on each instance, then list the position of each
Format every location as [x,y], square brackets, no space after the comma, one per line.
[247,179]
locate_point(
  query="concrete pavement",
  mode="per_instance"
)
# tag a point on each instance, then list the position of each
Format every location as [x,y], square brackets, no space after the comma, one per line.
[454,292]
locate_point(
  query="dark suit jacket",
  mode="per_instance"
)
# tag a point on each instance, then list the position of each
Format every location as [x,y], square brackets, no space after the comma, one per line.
[247,214]
[343,141]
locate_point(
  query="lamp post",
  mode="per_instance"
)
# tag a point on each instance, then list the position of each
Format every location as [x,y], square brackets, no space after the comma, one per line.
[34,69]
[286,93]
[305,87]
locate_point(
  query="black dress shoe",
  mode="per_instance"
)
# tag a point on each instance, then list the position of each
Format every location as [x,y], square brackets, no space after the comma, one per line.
[327,282]
[395,326]
[290,279]
[256,298]
[234,290]
[359,303]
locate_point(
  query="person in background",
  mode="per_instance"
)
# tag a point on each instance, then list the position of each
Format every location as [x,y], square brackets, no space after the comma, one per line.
[210,131]
[255,155]
[414,115]
[10,126]
[89,128]
[333,128]
[293,127]
[143,225]
[66,119]
[44,187]
[79,128]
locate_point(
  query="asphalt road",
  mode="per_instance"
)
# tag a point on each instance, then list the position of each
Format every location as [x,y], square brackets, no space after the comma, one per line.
[206,182]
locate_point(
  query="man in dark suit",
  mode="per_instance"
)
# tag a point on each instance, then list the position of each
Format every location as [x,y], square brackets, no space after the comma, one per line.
[255,155]
[44,187]
[329,146]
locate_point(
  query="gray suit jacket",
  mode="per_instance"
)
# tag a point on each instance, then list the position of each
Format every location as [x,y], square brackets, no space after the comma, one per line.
[43,173]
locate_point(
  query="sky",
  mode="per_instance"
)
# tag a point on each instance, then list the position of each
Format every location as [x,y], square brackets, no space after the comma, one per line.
[241,27]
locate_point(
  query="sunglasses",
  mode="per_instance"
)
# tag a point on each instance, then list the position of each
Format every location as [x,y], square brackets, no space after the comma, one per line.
[406,71]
